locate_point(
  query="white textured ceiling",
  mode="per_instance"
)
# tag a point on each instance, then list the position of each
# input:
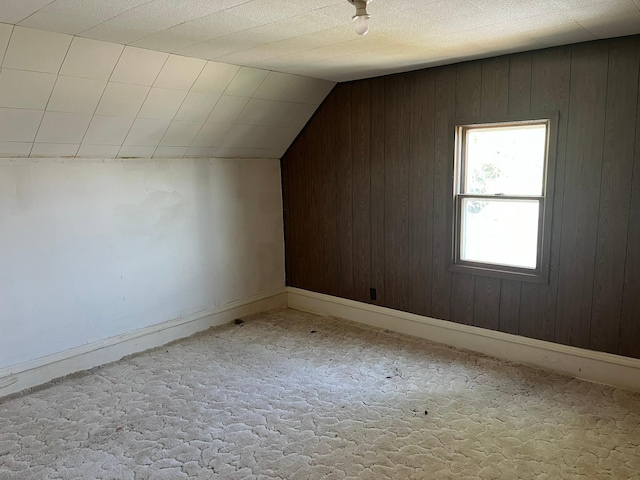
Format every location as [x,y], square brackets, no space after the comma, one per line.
[66,96]
[315,38]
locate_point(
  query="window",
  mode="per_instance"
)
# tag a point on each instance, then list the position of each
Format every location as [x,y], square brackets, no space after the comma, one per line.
[502,198]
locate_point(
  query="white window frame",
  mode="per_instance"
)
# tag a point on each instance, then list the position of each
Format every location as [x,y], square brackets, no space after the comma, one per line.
[539,274]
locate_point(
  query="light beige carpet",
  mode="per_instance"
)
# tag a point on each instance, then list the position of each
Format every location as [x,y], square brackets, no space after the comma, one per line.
[295,396]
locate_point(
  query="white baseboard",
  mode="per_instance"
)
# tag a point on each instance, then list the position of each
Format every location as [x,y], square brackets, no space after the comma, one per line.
[576,362]
[589,365]
[42,370]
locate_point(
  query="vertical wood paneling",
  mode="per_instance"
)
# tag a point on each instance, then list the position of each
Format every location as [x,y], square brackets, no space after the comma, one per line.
[307,241]
[314,241]
[445,98]
[630,323]
[537,319]
[509,306]
[421,191]
[615,193]
[463,289]
[344,170]
[377,189]
[378,215]
[328,207]
[550,84]
[469,90]
[396,215]
[495,86]
[486,310]
[361,128]
[288,230]
[520,83]
[300,174]
[581,192]
[468,105]
[291,242]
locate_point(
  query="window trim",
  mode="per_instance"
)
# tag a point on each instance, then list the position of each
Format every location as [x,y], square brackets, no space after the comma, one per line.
[454,264]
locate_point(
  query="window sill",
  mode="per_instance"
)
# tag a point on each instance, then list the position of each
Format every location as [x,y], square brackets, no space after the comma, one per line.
[498,272]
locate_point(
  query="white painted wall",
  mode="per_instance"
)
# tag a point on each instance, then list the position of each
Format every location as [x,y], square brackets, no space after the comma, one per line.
[92,249]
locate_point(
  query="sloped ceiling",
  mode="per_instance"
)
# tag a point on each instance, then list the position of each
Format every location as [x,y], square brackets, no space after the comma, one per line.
[314,38]
[237,78]
[66,96]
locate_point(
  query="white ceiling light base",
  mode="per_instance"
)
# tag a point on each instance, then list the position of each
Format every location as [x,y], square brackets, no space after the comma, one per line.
[361,17]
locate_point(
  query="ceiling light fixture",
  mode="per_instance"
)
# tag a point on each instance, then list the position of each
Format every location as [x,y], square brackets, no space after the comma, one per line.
[361,17]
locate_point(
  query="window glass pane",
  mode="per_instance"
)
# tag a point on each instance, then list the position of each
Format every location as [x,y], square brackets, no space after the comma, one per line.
[503,232]
[508,160]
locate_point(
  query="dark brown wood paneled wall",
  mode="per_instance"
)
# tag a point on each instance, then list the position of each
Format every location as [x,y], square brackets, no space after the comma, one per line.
[366,184]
